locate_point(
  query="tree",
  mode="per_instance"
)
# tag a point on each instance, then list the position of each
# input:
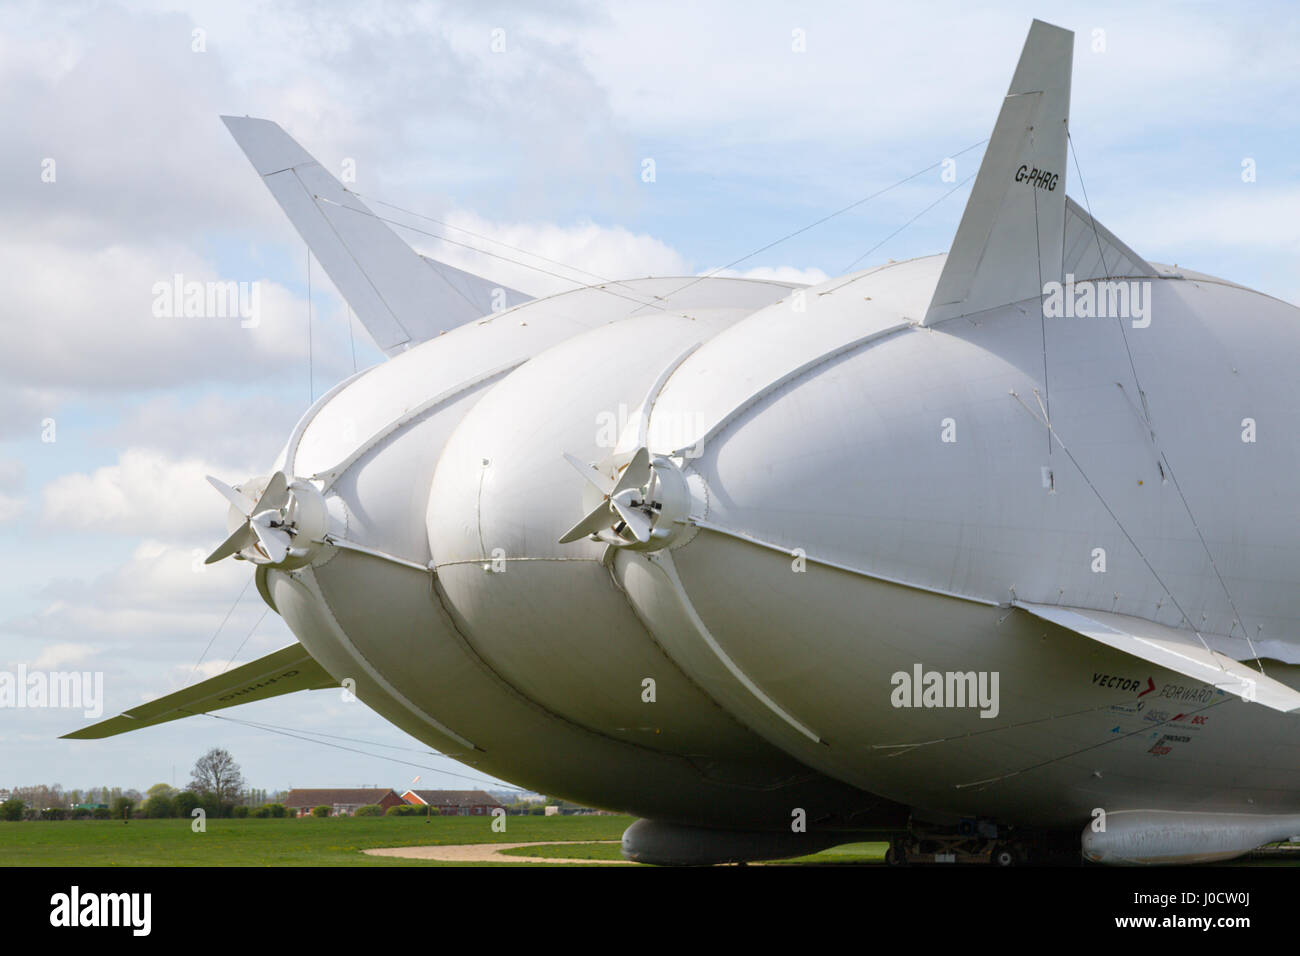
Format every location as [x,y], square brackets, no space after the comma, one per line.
[41,796]
[159,801]
[12,809]
[214,807]
[216,773]
[157,806]
[185,802]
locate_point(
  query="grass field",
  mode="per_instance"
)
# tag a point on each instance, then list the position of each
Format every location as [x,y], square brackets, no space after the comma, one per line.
[569,851]
[338,841]
[330,841]
[849,853]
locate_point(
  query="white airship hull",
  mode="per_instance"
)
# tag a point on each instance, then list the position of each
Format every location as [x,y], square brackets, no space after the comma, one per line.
[1002,538]
[805,662]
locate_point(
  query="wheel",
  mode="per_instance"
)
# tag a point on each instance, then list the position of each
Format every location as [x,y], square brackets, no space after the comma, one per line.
[1003,856]
[896,855]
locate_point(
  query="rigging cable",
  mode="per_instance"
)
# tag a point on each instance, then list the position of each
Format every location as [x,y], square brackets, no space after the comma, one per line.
[827,218]
[849,267]
[311,378]
[693,281]
[365,753]
[1146,414]
[239,598]
[1119,524]
[494,255]
[352,339]
[478,235]
[231,660]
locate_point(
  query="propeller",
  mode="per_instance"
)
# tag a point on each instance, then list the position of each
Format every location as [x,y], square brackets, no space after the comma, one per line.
[626,503]
[264,524]
[592,474]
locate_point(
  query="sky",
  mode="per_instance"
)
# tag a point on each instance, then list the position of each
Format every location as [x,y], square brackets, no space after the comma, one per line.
[528,123]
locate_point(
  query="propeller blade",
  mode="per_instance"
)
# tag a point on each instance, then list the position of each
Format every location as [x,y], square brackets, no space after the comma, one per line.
[276,495]
[599,519]
[241,501]
[636,521]
[636,474]
[240,539]
[274,541]
[592,474]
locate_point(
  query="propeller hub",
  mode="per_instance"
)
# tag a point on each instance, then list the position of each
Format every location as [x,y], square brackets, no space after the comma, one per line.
[275,521]
[643,506]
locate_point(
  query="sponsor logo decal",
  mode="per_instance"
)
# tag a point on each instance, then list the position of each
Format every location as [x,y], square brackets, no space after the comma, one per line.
[1162,745]
[1181,692]
[1120,682]
[1131,708]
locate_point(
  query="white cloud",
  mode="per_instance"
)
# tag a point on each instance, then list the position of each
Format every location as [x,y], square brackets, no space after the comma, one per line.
[23,408]
[144,493]
[12,474]
[161,604]
[11,507]
[221,425]
[729,74]
[131,116]
[63,657]
[1247,215]
[809,276]
[155,576]
[590,253]
[100,331]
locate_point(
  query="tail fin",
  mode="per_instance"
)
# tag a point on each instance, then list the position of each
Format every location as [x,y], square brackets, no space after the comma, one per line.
[1010,239]
[400,297]
[288,670]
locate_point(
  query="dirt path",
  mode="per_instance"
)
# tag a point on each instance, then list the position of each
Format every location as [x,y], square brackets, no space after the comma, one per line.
[486,853]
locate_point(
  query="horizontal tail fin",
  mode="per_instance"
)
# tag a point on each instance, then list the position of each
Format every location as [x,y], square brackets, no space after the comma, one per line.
[288,670]
[1173,649]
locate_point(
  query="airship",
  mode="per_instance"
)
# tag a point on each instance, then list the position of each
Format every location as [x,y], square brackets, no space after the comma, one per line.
[990,554]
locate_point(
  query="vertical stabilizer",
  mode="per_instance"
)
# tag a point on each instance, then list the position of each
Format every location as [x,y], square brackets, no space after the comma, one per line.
[1010,239]
[401,298]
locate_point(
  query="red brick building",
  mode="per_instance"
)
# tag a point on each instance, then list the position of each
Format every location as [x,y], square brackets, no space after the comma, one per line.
[340,802]
[454,803]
